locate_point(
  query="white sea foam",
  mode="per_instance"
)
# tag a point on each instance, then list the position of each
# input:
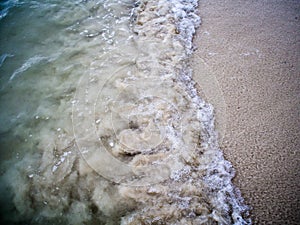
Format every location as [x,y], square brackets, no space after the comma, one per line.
[4,57]
[29,63]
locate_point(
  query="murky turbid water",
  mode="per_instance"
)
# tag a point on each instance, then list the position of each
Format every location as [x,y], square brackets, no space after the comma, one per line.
[101,121]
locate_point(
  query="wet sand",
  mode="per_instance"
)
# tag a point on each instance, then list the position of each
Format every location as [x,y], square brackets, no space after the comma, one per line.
[247,64]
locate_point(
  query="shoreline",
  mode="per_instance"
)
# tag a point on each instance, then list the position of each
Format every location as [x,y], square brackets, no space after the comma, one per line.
[248,58]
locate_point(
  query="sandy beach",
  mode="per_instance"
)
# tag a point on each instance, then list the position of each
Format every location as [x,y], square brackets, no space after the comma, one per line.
[100,121]
[247,66]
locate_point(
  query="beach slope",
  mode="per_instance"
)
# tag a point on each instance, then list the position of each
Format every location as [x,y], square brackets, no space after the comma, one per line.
[247,65]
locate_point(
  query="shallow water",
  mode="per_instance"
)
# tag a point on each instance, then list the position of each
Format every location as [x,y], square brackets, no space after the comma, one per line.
[101,122]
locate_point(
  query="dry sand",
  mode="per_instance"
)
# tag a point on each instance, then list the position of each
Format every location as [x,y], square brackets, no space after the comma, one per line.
[247,64]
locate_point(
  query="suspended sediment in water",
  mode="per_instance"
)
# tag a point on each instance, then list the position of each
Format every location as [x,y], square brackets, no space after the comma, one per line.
[132,142]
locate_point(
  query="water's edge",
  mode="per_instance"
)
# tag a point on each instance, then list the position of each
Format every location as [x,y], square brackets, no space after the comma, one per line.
[106,125]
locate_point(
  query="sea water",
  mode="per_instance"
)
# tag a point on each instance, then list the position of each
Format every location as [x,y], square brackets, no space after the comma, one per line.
[101,121]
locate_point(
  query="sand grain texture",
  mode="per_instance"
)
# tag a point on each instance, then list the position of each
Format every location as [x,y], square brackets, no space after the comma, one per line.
[252,50]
